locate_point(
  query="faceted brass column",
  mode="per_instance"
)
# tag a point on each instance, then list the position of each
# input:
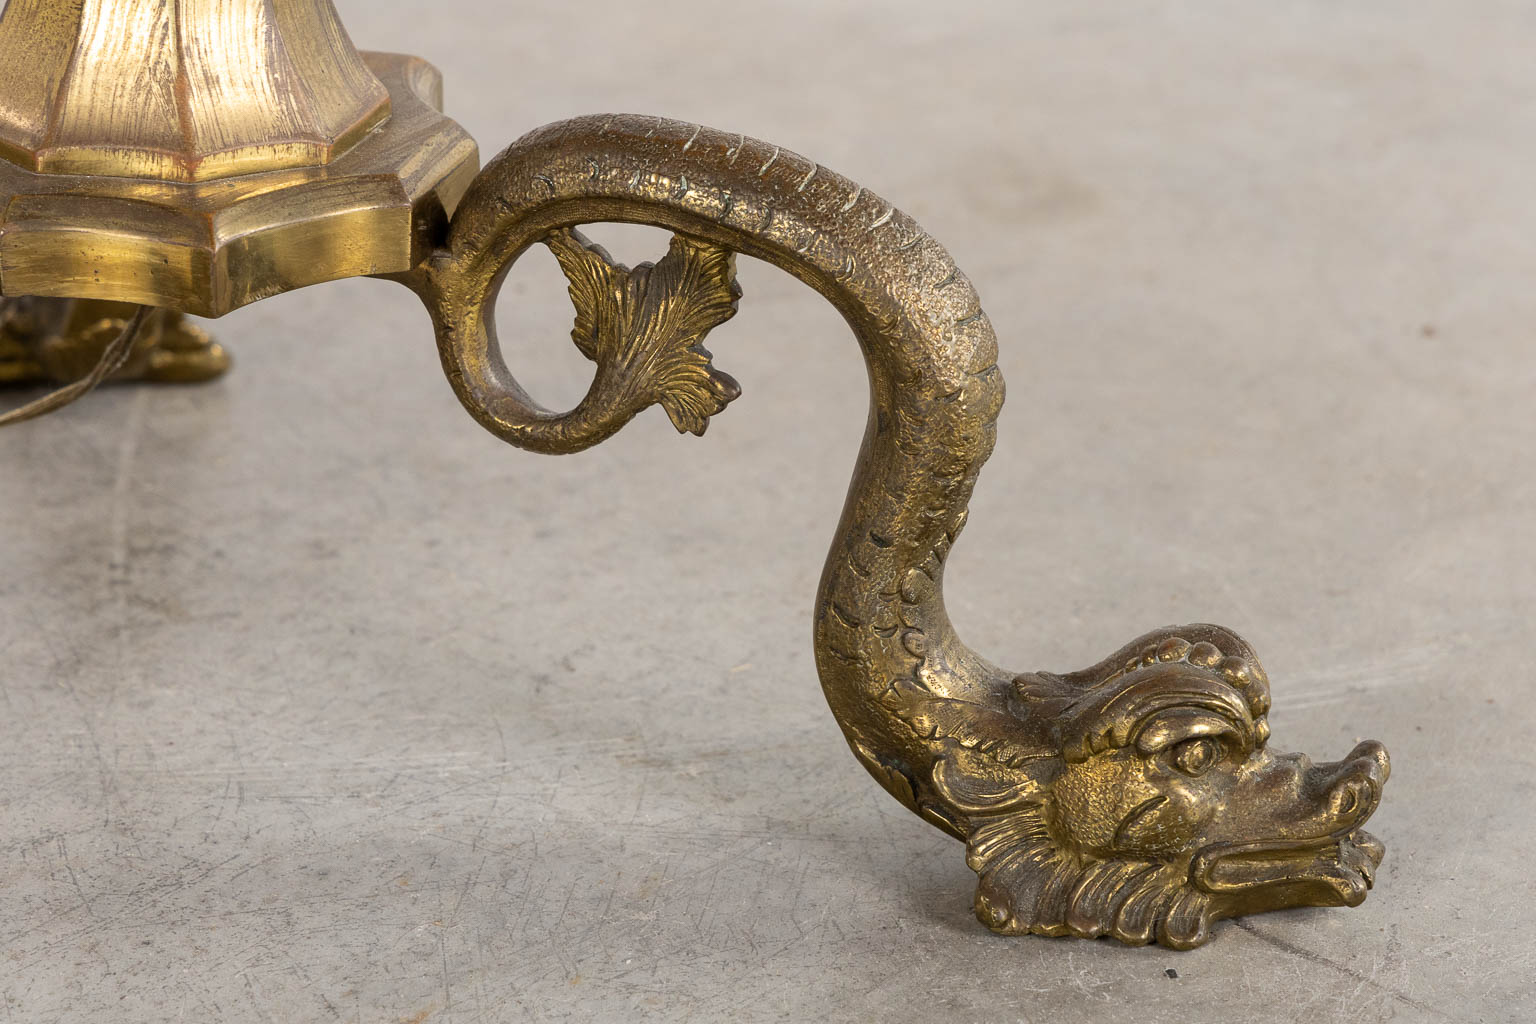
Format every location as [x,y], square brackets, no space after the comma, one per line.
[147,89]
[1138,798]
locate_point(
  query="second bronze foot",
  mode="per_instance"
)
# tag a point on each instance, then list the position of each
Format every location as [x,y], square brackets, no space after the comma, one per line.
[55,341]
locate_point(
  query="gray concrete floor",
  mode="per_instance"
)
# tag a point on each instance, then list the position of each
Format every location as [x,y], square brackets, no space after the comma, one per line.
[317,703]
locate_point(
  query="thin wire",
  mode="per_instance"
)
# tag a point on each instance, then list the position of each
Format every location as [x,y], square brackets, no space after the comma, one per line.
[112,359]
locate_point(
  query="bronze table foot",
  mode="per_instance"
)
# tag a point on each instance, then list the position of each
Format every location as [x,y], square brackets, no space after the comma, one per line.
[1137,799]
[55,341]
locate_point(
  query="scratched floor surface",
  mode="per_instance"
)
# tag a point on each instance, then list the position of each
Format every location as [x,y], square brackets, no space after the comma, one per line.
[317,703]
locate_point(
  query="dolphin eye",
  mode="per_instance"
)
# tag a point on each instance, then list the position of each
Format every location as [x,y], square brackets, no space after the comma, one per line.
[1196,756]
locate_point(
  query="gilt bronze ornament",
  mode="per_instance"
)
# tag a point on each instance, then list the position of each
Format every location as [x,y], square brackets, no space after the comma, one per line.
[1138,799]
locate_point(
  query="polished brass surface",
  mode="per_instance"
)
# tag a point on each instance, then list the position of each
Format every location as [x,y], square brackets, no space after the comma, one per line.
[1137,799]
[148,89]
[208,247]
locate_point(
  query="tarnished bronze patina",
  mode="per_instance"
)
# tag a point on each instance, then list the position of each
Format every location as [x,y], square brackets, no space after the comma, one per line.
[1138,798]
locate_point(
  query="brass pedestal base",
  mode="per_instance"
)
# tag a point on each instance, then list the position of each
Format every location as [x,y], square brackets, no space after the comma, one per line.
[209,247]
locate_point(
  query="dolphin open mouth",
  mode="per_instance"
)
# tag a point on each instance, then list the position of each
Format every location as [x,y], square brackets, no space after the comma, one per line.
[1343,865]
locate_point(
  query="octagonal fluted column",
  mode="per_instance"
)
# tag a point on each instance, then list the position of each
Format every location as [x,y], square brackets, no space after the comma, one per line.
[147,89]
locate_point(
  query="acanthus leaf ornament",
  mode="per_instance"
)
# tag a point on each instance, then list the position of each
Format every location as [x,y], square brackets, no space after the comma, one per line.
[645,327]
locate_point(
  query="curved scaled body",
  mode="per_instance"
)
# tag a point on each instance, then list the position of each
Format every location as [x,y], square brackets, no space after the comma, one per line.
[1138,798]
[881,633]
